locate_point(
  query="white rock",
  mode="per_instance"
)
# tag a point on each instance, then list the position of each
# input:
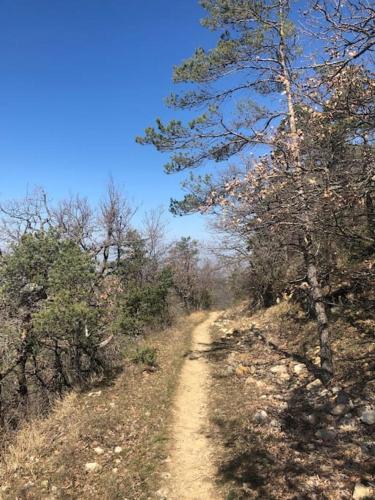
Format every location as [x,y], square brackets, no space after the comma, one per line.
[311,419]
[279,370]
[118,449]
[324,392]
[339,410]
[99,451]
[260,417]
[361,491]
[92,467]
[300,369]
[162,494]
[256,383]
[314,384]
[368,416]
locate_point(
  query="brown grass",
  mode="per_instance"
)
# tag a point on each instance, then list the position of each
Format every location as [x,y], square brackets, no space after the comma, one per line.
[48,457]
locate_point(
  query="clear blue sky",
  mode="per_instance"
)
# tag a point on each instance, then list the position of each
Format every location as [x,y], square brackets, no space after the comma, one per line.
[79,79]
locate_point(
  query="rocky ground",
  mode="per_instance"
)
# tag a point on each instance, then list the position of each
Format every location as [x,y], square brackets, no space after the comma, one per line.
[285,435]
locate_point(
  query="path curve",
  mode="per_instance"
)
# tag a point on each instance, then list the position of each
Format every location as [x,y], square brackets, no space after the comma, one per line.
[191,469]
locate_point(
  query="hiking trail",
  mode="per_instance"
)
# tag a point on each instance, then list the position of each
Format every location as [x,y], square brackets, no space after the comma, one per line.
[191,472]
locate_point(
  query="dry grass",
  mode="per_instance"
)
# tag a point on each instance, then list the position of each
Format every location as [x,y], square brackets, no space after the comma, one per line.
[282,457]
[122,427]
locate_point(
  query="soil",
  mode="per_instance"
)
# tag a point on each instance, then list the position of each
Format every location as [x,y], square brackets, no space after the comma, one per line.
[191,473]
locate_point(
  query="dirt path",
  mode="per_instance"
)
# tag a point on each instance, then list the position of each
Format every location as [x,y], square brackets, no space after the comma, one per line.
[191,470]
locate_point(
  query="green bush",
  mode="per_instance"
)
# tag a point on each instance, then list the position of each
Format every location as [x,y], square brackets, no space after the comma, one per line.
[146,356]
[142,306]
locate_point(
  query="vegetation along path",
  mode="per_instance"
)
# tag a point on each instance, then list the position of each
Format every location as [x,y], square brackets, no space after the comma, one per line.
[191,470]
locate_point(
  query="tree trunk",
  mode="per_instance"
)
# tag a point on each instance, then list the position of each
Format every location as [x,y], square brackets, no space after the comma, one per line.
[23,389]
[2,416]
[370,213]
[60,378]
[326,357]
[310,261]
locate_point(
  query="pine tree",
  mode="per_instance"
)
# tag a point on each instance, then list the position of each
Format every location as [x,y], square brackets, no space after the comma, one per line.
[256,56]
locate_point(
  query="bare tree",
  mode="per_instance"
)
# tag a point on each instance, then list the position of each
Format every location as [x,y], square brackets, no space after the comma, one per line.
[74,219]
[115,221]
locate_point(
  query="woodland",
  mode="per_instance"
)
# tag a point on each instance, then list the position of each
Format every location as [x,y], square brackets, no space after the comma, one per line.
[286,100]
[278,151]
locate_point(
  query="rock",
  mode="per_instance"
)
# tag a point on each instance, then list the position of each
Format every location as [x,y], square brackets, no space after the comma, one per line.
[300,369]
[310,419]
[260,417]
[318,406]
[326,434]
[230,370]
[256,383]
[323,393]
[92,467]
[348,423]
[250,381]
[279,370]
[194,356]
[97,393]
[339,410]
[162,494]
[342,398]
[361,491]
[44,484]
[165,475]
[369,448]
[99,451]
[367,416]
[314,384]
[118,449]
[279,397]
[283,405]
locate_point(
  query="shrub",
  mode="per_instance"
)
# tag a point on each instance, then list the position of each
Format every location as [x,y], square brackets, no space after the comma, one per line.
[146,355]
